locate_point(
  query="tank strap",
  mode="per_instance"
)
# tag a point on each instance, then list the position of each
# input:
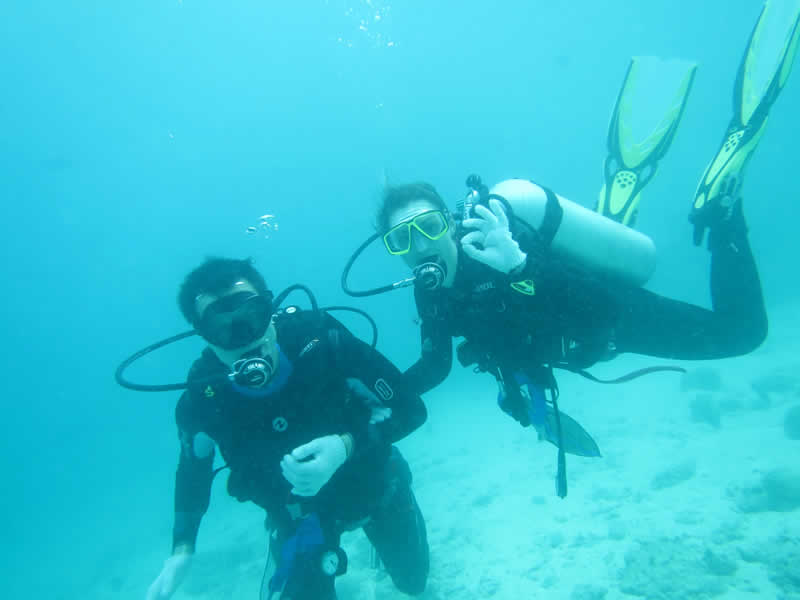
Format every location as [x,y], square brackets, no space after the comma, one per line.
[553,214]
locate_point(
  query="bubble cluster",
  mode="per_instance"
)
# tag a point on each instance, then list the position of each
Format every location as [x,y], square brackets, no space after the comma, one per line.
[369,19]
[267,225]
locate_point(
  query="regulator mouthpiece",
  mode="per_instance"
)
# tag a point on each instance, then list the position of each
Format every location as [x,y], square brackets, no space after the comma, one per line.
[429,276]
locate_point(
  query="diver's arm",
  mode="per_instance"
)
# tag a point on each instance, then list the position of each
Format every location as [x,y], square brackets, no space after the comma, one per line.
[192,489]
[192,493]
[434,365]
[396,410]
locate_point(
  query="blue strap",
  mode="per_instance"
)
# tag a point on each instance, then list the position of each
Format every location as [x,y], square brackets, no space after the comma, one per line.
[306,538]
[537,410]
[537,413]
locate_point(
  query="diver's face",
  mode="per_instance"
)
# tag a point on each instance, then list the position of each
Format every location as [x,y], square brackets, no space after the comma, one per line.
[265,345]
[443,251]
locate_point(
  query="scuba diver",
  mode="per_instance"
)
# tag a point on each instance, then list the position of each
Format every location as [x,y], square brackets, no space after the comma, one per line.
[304,415]
[535,282]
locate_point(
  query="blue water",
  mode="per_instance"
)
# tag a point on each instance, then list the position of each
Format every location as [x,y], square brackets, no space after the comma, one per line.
[140,137]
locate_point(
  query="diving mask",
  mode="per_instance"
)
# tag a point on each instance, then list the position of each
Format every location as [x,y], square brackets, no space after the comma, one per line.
[432,224]
[237,320]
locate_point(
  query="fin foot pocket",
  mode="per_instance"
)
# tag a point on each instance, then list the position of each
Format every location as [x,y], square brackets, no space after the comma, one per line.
[762,74]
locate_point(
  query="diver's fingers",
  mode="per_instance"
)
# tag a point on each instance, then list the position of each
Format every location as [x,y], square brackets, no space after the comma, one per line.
[499,212]
[472,238]
[479,224]
[379,414]
[472,252]
[486,214]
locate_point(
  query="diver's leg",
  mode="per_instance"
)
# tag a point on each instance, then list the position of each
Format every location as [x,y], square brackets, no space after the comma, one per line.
[736,293]
[737,324]
[650,324]
[397,530]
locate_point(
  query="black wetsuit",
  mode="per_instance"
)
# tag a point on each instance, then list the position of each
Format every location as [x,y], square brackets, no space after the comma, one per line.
[570,317]
[334,380]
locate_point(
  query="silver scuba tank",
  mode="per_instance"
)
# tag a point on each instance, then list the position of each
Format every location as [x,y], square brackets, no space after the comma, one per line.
[592,240]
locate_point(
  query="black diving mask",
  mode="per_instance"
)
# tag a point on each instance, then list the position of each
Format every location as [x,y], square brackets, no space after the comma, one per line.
[237,320]
[252,373]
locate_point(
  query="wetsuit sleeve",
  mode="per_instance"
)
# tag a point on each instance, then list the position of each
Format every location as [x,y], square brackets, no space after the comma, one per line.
[436,360]
[192,482]
[376,383]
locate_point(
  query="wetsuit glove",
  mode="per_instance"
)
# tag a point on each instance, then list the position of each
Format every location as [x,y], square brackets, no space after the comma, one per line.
[173,572]
[311,465]
[500,251]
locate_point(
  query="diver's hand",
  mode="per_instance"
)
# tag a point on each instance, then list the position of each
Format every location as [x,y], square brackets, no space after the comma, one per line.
[173,572]
[311,465]
[500,251]
[378,414]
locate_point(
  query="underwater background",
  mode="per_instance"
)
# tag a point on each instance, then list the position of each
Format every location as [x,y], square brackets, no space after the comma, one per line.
[140,137]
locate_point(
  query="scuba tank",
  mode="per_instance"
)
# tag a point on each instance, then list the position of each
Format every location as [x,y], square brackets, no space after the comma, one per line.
[577,233]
